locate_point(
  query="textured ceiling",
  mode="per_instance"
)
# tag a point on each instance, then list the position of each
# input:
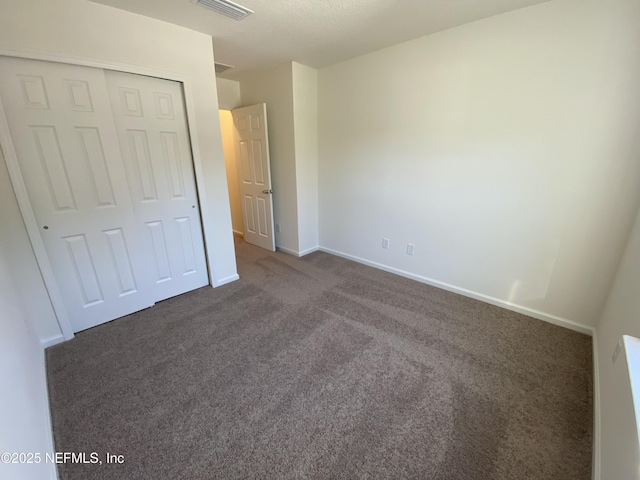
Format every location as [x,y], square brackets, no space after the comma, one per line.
[316,33]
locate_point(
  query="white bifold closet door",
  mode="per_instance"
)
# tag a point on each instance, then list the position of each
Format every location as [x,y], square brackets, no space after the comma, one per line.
[74,153]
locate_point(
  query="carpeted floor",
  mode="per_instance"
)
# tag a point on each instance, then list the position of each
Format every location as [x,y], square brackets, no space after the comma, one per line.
[323,368]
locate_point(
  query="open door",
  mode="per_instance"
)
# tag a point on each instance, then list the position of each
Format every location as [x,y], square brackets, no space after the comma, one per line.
[254,174]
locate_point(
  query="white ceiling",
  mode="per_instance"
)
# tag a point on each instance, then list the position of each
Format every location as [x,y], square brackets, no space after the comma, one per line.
[316,33]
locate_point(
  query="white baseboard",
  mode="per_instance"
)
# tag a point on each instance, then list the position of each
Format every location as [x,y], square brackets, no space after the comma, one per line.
[239,233]
[562,322]
[595,464]
[229,279]
[296,253]
[53,473]
[287,250]
[308,251]
[53,340]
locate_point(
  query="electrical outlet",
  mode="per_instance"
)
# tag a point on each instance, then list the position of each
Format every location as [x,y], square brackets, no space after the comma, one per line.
[410,248]
[278,229]
[616,353]
[385,243]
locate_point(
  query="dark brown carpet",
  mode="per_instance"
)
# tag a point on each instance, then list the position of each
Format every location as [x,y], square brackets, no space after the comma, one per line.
[323,368]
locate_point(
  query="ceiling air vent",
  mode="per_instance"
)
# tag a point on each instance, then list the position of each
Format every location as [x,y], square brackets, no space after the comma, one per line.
[221,67]
[225,7]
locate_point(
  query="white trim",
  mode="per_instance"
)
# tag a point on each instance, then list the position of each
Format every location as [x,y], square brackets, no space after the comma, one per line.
[296,253]
[21,193]
[189,106]
[287,250]
[595,463]
[229,279]
[51,341]
[33,230]
[308,251]
[563,322]
[47,414]
[239,233]
[58,57]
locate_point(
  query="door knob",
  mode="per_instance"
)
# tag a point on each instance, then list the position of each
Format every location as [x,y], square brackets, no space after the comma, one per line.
[266,192]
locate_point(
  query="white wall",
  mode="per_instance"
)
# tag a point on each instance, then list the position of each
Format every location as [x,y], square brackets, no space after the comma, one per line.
[24,405]
[305,121]
[620,450]
[506,150]
[228,94]
[78,28]
[228,146]
[21,264]
[275,88]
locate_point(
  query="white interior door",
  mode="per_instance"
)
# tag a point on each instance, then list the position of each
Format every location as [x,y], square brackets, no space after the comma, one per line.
[254,172]
[150,118]
[62,127]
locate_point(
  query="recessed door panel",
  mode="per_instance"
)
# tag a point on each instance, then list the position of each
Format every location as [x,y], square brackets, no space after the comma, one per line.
[121,261]
[186,245]
[85,270]
[54,167]
[263,224]
[164,106]
[160,255]
[241,123]
[245,162]
[172,163]
[79,95]
[141,157]
[258,162]
[34,92]
[93,154]
[249,217]
[130,102]
[254,122]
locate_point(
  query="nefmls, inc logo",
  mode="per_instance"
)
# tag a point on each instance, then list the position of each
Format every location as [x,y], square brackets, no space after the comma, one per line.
[73,457]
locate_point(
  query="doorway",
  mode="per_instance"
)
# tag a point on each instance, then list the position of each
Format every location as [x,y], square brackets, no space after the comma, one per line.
[228,147]
[247,160]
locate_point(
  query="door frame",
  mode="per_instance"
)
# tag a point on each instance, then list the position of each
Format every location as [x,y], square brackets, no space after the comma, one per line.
[24,203]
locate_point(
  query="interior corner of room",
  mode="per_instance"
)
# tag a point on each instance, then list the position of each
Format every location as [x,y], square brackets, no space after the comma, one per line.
[498,160]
